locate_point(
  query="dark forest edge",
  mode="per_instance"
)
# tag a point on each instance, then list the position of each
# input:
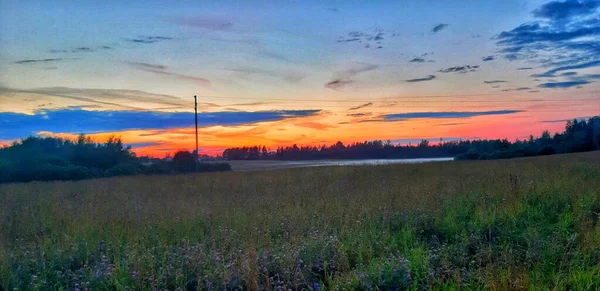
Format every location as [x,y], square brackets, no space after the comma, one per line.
[50,158]
[578,136]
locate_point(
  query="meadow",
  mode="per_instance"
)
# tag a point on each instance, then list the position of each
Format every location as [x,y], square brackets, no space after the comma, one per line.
[518,224]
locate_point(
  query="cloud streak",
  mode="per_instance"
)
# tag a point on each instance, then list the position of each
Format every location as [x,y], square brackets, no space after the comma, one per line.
[445,114]
[209,23]
[161,70]
[33,61]
[149,39]
[345,77]
[361,106]
[552,73]
[424,79]
[292,77]
[28,101]
[566,84]
[460,69]
[338,84]
[439,27]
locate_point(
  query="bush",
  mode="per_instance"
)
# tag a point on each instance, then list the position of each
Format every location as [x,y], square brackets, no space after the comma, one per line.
[156,168]
[214,167]
[124,169]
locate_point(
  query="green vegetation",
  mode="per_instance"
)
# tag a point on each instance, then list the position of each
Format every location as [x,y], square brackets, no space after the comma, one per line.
[579,136]
[49,158]
[528,223]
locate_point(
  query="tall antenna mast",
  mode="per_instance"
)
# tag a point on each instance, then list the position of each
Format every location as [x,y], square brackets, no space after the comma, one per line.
[196,122]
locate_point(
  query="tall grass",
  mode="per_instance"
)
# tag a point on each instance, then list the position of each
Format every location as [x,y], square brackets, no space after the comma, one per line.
[512,224]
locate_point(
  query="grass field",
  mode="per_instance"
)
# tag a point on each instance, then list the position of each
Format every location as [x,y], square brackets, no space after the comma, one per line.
[256,165]
[510,224]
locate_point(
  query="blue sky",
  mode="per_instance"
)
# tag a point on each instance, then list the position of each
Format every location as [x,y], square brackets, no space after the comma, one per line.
[329,56]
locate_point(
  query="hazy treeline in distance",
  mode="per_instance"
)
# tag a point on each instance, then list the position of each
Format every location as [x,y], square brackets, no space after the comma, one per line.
[578,136]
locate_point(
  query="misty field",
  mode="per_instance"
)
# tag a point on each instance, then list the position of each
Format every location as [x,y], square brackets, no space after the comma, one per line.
[510,224]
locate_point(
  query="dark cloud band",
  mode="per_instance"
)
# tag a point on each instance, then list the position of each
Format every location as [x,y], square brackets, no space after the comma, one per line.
[17,125]
[446,114]
[424,79]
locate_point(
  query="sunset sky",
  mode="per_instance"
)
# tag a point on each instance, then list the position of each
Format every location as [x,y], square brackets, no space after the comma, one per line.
[305,72]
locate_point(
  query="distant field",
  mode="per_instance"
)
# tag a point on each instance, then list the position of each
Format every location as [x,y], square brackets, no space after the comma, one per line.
[510,224]
[253,165]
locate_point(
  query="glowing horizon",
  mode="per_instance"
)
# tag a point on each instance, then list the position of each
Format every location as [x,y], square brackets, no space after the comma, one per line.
[308,73]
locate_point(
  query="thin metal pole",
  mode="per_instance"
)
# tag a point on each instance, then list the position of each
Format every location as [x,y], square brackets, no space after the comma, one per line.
[196,122]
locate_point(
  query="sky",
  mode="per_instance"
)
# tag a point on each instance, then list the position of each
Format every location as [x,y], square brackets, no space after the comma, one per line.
[278,73]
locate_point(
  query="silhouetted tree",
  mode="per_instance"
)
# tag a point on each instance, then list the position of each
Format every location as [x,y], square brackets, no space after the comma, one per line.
[184,161]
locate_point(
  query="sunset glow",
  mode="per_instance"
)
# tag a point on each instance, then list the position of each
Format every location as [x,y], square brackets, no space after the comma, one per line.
[303,73]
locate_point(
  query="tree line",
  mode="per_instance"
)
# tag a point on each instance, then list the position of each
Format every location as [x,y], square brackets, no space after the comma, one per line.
[51,158]
[578,136]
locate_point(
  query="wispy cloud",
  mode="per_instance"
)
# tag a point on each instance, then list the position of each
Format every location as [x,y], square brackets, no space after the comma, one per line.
[488,58]
[275,56]
[517,89]
[362,114]
[552,73]
[494,81]
[17,125]
[424,79]
[292,77]
[345,77]
[147,65]
[204,22]
[27,101]
[452,123]
[524,68]
[161,70]
[359,68]
[338,84]
[84,49]
[81,49]
[445,114]
[198,80]
[439,27]
[361,106]
[149,39]
[565,120]
[33,61]
[421,59]
[460,69]
[373,39]
[314,125]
